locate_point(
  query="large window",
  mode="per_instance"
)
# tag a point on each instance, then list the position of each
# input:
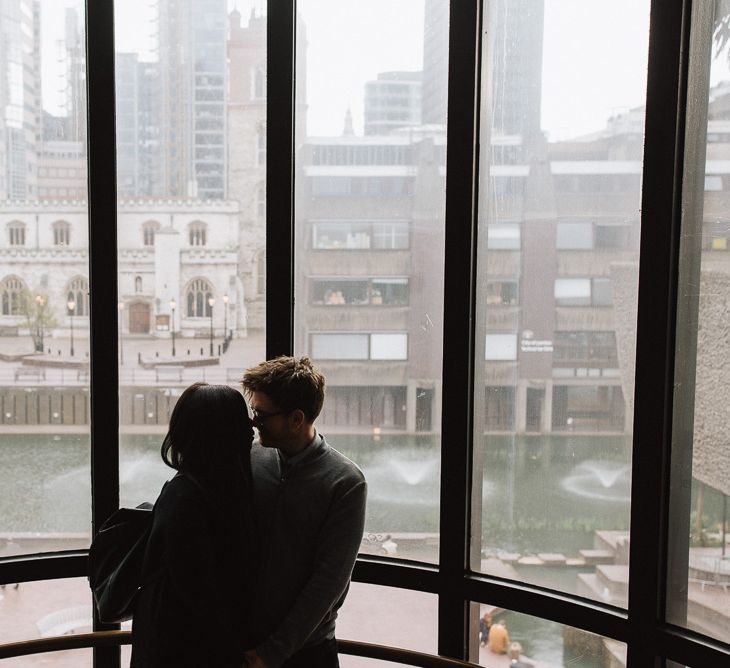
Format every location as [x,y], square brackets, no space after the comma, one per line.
[698,579]
[505,249]
[369,219]
[552,442]
[191,228]
[45,502]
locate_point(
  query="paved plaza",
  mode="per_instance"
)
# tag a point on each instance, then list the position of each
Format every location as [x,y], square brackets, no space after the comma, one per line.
[138,358]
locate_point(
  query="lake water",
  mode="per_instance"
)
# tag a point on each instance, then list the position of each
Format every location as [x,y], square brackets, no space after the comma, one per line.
[539,494]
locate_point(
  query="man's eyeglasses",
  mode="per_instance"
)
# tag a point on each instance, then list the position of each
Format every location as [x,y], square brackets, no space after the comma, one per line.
[260,416]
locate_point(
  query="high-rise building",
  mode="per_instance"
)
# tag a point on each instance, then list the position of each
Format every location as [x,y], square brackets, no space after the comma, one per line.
[516,52]
[74,57]
[139,127]
[513,63]
[193,67]
[392,101]
[435,61]
[20,87]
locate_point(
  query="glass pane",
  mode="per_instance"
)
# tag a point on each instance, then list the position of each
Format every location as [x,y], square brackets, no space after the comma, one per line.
[32,610]
[699,567]
[560,186]
[369,256]
[501,637]
[191,115]
[44,279]
[375,614]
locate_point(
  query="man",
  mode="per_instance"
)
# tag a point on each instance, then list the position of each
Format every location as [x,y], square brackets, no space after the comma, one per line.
[310,516]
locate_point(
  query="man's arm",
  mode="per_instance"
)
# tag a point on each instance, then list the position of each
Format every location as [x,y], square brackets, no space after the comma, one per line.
[338,545]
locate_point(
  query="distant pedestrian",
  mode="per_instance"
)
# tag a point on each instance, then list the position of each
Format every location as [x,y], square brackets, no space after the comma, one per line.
[515,652]
[485,623]
[498,640]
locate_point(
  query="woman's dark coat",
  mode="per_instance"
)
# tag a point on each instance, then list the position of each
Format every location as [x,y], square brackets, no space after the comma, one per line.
[195,609]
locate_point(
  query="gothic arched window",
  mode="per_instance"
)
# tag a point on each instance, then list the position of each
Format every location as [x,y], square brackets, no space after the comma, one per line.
[12,295]
[77,292]
[198,293]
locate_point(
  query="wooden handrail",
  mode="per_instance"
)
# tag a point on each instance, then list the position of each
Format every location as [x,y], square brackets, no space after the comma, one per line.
[58,643]
[111,638]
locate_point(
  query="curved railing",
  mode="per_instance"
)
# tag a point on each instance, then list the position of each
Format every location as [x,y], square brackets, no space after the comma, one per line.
[112,638]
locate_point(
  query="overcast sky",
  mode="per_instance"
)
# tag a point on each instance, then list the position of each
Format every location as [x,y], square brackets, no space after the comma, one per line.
[594,55]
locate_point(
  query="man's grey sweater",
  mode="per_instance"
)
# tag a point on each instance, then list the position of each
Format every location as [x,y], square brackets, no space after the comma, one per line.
[310,516]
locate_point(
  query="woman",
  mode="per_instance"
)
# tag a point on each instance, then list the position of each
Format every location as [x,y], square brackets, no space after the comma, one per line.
[194,609]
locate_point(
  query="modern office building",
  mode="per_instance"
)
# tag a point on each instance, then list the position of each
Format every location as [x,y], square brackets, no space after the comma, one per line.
[193,67]
[140,164]
[20,103]
[392,101]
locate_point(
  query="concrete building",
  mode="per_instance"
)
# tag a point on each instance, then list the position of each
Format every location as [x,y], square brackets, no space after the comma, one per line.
[369,300]
[246,110]
[246,127]
[62,170]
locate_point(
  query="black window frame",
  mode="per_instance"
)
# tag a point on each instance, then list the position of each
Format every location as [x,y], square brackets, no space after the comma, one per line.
[649,638]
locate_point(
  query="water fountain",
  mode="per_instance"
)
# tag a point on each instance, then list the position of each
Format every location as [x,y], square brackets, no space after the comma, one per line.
[600,480]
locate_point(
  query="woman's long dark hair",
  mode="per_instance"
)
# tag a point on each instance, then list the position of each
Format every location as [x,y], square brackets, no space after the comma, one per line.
[210,439]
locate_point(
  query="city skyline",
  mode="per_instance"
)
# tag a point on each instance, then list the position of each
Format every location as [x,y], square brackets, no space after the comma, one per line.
[335,84]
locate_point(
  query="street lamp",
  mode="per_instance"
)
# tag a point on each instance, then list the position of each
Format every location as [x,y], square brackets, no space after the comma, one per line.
[173,304]
[225,316]
[39,322]
[211,301]
[71,309]
[120,308]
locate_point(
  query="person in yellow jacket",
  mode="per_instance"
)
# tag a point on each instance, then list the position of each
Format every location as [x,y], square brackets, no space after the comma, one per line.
[498,640]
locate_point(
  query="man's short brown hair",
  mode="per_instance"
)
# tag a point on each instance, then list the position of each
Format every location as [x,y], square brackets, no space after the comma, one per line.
[290,382]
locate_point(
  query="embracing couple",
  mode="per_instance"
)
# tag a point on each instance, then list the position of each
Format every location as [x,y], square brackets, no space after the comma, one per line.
[252,546]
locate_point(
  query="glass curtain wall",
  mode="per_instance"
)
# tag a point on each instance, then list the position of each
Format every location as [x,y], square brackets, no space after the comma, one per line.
[44,281]
[369,200]
[191,109]
[560,186]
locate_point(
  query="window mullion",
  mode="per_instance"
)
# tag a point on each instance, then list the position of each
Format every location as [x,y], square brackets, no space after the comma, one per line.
[459,306]
[280,157]
[104,387]
[660,229]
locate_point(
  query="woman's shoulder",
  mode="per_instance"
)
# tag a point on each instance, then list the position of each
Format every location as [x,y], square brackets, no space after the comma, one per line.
[181,489]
